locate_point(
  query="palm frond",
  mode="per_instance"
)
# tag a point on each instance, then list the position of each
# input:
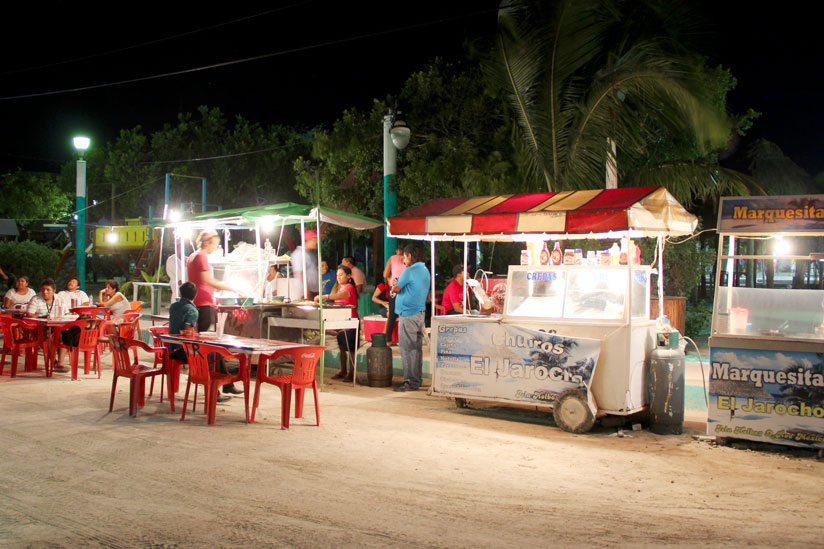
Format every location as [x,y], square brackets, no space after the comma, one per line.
[688,181]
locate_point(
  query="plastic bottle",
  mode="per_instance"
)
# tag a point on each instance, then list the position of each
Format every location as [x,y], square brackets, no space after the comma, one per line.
[545,255]
[267,247]
[557,256]
[622,254]
[614,253]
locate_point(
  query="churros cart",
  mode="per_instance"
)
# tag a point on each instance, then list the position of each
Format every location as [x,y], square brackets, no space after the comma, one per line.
[573,337]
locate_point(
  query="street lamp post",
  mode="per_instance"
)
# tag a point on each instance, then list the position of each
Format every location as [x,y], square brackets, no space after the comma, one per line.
[395,137]
[81,144]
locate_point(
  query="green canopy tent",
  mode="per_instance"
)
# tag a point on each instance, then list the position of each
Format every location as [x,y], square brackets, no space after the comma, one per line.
[286,213]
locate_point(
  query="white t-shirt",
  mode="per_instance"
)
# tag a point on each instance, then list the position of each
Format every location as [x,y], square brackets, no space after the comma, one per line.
[77,298]
[120,307]
[18,300]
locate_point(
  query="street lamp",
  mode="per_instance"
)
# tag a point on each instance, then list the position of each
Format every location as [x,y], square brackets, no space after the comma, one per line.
[81,144]
[395,138]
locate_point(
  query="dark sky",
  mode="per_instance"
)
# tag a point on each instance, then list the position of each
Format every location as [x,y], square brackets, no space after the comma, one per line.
[773,55]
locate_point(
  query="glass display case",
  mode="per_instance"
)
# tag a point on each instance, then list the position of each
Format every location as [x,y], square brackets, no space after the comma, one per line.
[577,292]
[770,288]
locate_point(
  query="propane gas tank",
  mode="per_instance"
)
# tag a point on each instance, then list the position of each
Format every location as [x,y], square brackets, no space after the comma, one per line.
[665,390]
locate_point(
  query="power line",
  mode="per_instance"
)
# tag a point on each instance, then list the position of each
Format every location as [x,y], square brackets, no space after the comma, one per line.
[151,42]
[248,59]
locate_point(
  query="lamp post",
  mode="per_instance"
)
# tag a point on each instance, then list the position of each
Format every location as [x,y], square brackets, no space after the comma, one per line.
[81,144]
[395,137]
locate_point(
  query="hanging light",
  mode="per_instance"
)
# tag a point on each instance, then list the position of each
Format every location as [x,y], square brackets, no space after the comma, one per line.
[400,132]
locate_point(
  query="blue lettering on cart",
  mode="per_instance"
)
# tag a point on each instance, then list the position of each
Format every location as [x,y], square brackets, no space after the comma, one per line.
[541,275]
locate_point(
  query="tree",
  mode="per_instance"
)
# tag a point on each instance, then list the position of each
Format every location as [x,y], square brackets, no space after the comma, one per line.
[580,74]
[244,164]
[460,146]
[33,196]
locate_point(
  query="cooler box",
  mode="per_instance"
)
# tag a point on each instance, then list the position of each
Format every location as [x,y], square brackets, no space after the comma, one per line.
[375,323]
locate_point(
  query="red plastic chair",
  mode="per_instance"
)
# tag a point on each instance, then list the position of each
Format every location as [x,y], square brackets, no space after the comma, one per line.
[136,372]
[18,336]
[124,325]
[200,374]
[302,378]
[89,336]
[172,366]
[136,307]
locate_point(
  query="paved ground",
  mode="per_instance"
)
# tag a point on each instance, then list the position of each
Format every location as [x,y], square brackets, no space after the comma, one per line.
[383,469]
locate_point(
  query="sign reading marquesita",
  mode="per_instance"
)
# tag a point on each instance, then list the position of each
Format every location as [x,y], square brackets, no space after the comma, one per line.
[767,395]
[771,214]
[510,362]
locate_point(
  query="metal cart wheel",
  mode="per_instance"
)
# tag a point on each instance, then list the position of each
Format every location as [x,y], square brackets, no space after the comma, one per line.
[572,413]
[461,403]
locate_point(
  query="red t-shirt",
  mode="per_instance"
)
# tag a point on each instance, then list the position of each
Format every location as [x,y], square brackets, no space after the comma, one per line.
[452,294]
[351,300]
[196,265]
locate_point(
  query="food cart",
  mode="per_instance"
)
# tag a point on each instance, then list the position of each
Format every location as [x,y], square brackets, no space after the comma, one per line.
[245,267]
[576,337]
[767,340]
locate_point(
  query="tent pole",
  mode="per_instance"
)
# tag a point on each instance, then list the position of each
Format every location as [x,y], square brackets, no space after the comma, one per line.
[463,287]
[320,307]
[660,276]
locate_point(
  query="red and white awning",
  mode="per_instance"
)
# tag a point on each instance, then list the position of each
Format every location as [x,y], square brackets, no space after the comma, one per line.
[608,213]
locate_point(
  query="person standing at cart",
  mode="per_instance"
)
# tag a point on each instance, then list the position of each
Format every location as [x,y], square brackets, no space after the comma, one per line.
[358,278]
[305,265]
[392,272]
[410,304]
[201,274]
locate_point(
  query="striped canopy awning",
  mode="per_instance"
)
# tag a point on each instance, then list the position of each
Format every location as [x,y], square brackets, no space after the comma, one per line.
[609,213]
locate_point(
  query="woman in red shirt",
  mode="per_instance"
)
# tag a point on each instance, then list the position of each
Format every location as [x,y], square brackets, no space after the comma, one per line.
[346,294]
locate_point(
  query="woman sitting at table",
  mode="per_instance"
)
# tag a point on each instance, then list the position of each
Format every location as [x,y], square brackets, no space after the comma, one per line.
[20,295]
[345,294]
[73,296]
[45,304]
[113,300]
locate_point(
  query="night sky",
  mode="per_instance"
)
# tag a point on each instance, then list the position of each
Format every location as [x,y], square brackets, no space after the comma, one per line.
[773,55]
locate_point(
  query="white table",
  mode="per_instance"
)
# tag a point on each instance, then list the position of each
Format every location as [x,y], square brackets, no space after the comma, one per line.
[152,286]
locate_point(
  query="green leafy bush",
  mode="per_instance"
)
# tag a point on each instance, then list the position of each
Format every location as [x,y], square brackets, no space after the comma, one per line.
[698,318]
[34,260]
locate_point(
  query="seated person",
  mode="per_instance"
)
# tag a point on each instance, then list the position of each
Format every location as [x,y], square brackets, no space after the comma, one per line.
[73,296]
[270,285]
[345,294]
[45,304]
[381,297]
[183,317]
[453,295]
[327,276]
[113,300]
[19,296]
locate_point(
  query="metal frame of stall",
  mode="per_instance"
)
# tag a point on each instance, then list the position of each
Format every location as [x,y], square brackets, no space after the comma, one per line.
[254,218]
[548,211]
[761,217]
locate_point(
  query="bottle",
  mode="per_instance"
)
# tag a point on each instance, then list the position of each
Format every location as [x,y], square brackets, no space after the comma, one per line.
[526,257]
[556,257]
[545,255]
[614,254]
[267,247]
[622,255]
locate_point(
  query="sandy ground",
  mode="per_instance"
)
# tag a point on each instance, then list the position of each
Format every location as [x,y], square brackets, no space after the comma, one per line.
[383,469]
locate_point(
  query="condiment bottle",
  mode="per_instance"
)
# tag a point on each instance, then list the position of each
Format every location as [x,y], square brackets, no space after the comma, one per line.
[614,253]
[556,257]
[622,255]
[545,255]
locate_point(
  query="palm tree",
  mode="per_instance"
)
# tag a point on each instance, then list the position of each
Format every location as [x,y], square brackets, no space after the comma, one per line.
[584,78]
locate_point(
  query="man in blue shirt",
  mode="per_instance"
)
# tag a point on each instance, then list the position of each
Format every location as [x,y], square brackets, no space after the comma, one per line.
[410,304]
